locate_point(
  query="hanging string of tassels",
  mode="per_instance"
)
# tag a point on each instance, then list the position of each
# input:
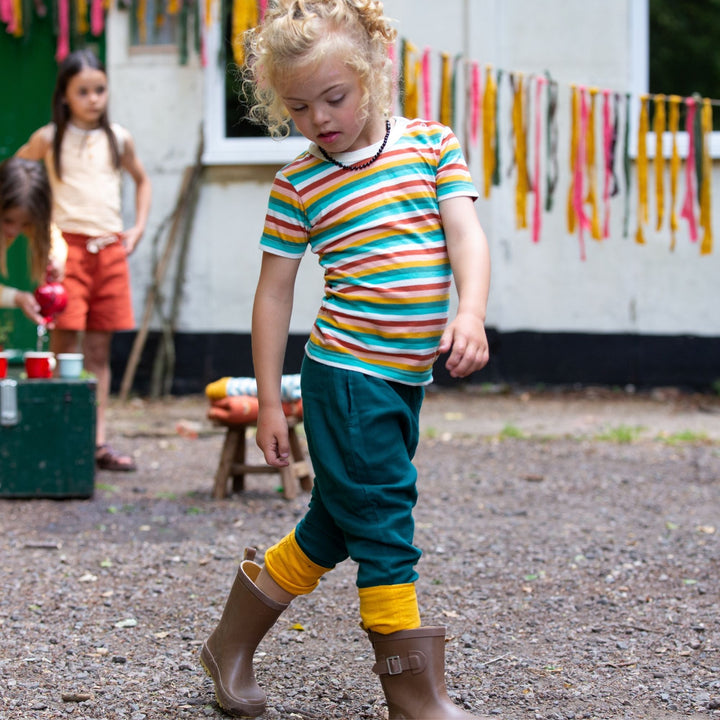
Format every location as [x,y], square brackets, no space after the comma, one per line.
[480,123]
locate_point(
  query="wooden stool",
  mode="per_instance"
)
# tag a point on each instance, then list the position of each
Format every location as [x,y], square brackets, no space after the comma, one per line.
[297,474]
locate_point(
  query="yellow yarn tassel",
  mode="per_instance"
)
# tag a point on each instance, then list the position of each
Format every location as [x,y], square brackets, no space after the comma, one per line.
[141,17]
[489,130]
[521,187]
[411,70]
[244,18]
[18,15]
[173,7]
[595,229]
[642,170]
[659,130]
[673,126]
[81,13]
[574,140]
[446,90]
[706,187]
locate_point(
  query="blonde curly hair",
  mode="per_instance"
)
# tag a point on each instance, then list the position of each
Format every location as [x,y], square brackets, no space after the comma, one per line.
[299,34]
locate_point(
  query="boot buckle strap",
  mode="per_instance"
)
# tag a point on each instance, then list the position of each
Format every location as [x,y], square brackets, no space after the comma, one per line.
[396,665]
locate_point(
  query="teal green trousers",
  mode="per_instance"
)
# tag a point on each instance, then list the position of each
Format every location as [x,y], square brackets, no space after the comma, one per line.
[362,434]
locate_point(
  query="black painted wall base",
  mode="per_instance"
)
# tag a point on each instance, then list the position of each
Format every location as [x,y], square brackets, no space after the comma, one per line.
[522,358]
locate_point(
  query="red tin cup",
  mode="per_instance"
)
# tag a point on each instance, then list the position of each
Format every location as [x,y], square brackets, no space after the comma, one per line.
[39,365]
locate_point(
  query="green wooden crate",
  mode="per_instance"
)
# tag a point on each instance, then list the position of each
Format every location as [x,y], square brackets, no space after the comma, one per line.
[47,438]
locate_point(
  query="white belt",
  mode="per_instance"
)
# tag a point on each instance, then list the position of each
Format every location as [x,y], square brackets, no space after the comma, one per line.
[95,244]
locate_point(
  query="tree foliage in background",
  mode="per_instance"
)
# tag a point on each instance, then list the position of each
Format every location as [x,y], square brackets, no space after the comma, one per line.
[685,47]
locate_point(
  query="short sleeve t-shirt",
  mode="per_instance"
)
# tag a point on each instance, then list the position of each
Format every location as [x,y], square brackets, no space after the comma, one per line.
[378,235]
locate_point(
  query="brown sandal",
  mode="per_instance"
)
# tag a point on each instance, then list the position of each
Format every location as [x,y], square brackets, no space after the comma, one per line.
[108,459]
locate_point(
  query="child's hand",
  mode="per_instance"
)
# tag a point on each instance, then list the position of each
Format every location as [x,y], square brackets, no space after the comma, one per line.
[272,436]
[465,336]
[130,238]
[30,306]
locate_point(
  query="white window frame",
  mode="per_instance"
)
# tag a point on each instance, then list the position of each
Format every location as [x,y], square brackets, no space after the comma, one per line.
[222,150]
[640,81]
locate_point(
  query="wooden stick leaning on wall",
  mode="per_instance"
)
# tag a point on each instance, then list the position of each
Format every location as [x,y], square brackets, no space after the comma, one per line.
[164,364]
[191,177]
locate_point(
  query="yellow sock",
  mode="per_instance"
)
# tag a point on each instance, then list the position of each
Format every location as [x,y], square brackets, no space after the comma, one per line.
[386,609]
[218,389]
[291,568]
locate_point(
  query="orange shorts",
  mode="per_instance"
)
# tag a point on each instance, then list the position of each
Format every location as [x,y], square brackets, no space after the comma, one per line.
[98,287]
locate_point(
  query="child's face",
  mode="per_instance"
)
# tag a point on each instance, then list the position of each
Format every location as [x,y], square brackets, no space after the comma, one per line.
[325,103]
[14,222]
[87,97]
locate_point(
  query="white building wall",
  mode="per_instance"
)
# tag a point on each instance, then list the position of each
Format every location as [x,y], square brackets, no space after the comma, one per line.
[621,287]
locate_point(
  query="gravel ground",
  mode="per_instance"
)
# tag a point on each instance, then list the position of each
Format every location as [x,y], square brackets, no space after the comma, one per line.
[570,547]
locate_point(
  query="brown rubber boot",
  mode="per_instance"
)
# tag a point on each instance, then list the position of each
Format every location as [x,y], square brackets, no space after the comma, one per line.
[411,666]
[227,655]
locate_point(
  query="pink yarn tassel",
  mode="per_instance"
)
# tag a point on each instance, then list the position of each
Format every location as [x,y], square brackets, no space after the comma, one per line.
[475,103]
[263,9]
[537,214]
[607,147]
[97,17]
[6,12]
[688,208]
[427,99]
[63,44]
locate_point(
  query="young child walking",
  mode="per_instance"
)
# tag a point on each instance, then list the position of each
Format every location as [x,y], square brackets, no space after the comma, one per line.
[25,208]
[386,203]
[85,156]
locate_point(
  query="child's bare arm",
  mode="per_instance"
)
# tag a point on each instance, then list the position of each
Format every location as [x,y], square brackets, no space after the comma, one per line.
[272,310]
[37,146]
[143,195]
[467,245]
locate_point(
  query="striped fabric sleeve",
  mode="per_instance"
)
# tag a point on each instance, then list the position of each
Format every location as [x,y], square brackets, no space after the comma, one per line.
[453,176]
[287,228]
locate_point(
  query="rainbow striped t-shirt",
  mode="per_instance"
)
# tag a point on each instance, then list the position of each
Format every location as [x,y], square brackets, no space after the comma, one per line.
[379,237]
